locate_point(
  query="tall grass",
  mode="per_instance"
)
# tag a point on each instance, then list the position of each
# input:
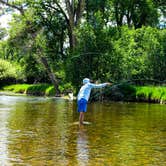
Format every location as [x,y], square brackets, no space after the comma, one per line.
[32,89]
[151,93]
[18,88]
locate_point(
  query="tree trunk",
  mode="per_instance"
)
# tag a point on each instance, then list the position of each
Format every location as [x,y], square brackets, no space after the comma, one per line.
[118,15]
[51,75]
[74,16]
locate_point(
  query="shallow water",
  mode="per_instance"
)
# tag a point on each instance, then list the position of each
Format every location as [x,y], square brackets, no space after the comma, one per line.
[43,131]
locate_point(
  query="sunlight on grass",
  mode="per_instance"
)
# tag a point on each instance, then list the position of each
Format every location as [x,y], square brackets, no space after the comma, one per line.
[151,93]
[32,89]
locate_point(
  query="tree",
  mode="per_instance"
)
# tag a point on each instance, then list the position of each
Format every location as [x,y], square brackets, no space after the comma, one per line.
[22,38]
[18,5]
[72,12]
[100,39]
[135,13]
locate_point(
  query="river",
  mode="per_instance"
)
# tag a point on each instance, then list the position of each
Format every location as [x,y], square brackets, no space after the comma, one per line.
[42,131]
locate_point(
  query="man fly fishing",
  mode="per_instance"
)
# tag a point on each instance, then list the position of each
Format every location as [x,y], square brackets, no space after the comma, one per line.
[84,94]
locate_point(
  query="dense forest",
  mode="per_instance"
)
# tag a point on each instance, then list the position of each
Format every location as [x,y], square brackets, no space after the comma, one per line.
[62,41]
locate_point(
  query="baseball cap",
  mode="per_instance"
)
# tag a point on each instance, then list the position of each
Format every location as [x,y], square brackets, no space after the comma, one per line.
[86,80]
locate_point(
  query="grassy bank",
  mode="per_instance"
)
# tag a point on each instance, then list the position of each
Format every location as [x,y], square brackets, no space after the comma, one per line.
[31,89]
[154,94]
[151,93]
[128,92]
[123,92]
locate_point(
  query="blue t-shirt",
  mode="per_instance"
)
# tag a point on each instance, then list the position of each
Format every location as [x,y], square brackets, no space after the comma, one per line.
[85,90]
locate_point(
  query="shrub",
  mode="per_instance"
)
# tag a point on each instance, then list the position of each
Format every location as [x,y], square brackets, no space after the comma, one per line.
[66,88]
[10,73]
[7,71]
[50,91]
[37,89]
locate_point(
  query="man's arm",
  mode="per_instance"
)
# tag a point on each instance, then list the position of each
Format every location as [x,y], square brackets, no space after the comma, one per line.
[99,85]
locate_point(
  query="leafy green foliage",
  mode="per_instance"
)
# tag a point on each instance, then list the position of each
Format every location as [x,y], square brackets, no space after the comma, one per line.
[50,91]
[104,54]
[37,89]
[9,72]
[140,52]
[2,33]
[134,13]
[115,39]
[6,70]
[66,88]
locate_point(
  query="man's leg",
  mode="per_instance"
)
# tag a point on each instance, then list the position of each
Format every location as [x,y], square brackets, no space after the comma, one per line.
[81,118]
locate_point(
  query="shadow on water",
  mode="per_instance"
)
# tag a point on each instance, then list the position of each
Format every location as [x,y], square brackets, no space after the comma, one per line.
[42,131]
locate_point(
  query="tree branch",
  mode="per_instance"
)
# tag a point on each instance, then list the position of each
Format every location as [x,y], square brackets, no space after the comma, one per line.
[20,9]
[59,9]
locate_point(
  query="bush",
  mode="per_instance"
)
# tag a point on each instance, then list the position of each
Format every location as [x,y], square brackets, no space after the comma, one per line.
[117,92]
[120,92]
[37,89]
[7,71]
[50,91]
[10,73]
[66,88]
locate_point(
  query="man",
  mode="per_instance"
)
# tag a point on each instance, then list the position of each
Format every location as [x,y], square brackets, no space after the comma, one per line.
[84,94]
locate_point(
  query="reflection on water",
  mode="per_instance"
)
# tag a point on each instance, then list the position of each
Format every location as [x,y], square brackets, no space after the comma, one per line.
[82,147]
[3,135]
[42,131]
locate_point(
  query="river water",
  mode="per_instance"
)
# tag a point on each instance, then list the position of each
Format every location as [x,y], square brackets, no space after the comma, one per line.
[42,131]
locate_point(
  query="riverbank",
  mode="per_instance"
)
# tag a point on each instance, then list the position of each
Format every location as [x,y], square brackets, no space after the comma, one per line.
[131,93]
[120,92]
[35,90]
[151,94]
[31,89]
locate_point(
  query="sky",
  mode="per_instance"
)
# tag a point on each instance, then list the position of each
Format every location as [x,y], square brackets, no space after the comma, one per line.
[4,19]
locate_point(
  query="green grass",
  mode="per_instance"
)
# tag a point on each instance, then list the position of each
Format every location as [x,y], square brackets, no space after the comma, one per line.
[32,89]
[18,88]
[50,91]
[151,93]
[37,89]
